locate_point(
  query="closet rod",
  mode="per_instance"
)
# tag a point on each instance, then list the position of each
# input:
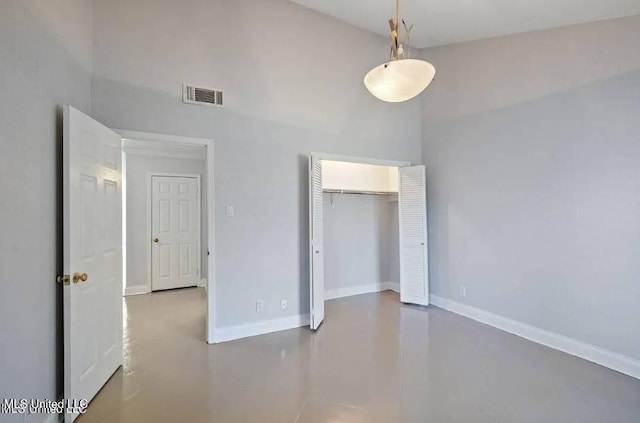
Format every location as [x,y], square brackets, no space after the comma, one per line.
[345,191]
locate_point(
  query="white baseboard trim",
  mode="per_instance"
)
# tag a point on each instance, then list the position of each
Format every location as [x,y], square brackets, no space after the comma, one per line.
[260,328]
[53,418]
[203,283]
[231,333]
[135,290]
[606,358]
[332,294]
[392,286]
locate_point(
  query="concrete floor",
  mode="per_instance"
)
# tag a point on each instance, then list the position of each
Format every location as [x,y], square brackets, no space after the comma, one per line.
[373,360]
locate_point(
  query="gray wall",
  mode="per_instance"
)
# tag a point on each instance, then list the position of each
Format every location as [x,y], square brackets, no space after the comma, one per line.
[293,84]
[45,61]
[532,147]
[393,250]
[358,248]
[137,170]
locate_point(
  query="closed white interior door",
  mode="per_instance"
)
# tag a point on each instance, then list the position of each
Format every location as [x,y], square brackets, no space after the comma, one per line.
[412,212]
[316,247]
[92,301]
[175,229]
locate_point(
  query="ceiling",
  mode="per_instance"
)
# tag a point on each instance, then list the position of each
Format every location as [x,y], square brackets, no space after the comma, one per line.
[440,22]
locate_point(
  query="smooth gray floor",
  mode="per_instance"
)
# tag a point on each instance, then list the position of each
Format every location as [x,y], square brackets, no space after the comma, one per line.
[373,360]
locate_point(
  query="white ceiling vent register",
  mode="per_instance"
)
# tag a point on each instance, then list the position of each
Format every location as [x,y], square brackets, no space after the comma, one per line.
[201,96]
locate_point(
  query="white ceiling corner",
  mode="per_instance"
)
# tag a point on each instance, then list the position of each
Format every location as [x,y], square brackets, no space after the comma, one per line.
[440,22]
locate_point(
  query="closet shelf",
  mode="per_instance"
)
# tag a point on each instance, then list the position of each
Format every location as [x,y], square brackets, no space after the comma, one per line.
[346,191]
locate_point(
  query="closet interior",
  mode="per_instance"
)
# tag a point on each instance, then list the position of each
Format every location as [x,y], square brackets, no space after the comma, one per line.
[360,216]
[367,221]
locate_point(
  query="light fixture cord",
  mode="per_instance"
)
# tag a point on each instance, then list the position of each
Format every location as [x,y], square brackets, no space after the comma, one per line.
[398,17]
[397,29]
[399,47]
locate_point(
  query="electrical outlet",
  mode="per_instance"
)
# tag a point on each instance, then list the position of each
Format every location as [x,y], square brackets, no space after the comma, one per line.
[283,304]
[259,305]
[462,291]
[230,211]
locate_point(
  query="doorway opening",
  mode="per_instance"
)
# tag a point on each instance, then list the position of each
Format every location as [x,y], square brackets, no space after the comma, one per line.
[95,253]
[167,214]
[388,221]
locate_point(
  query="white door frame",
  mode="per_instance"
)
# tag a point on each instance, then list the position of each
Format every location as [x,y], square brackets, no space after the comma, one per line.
[150,176]
[357,159]
[211,270]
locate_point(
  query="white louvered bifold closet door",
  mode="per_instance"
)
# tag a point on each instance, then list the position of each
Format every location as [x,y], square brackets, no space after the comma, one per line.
[316,247]
[414,264]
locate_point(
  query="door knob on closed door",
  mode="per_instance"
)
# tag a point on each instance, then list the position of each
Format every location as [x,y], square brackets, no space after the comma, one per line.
[156,240]
[77,277]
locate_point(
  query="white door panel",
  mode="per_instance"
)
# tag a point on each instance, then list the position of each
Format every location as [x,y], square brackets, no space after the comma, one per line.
[175,228]
[412,212]
[316,247]
[92,309]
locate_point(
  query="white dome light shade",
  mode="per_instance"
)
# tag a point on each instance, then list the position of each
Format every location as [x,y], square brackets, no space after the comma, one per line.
[399,80]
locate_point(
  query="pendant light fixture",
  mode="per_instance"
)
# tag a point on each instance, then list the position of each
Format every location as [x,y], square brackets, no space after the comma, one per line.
[401,78]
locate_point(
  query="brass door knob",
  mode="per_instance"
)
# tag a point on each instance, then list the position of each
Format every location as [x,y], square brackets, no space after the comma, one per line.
[156,240]
[77,277]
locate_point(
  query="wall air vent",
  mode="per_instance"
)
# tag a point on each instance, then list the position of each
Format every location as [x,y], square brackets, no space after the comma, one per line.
[201,96]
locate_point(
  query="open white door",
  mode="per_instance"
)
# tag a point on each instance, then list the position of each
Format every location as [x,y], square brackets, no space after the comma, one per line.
[412,212]
[316,247]
[92,300]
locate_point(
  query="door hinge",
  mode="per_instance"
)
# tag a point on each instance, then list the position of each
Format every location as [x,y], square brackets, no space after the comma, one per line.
[63,279]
